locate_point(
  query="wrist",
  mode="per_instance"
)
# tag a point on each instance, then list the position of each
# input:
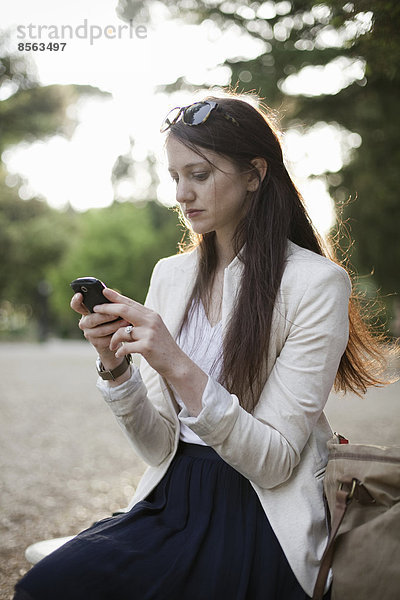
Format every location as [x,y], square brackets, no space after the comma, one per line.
[109,360]
[180,371]
[114,374]
[189,381]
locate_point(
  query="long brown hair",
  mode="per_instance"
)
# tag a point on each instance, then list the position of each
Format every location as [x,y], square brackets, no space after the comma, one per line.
[276,213]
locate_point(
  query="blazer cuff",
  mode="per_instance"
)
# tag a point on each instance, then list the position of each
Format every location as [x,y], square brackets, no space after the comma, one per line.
[120,397]
[217,404]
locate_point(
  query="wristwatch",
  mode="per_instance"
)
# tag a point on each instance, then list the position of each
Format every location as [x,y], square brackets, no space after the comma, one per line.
[112,374]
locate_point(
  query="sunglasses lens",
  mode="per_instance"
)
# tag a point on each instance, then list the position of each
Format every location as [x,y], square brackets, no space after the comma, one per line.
[170,119]
[197,113]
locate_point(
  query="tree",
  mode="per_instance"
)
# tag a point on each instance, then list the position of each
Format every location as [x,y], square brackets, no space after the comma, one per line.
[32,235]
[118,244]
[29,110]
[300,34]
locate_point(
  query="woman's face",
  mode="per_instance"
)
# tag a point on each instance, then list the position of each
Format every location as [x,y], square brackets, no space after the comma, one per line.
[211,199]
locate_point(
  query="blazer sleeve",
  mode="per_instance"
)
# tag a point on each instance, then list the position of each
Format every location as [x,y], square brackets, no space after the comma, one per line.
[266,446]
[139,406]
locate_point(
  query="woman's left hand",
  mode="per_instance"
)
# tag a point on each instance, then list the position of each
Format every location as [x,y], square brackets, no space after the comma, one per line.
[149,336]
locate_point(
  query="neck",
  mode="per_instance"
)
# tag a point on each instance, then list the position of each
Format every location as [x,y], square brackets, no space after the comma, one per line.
[225,250]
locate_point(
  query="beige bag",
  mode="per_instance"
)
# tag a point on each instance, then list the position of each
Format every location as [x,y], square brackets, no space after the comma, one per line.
[362,488]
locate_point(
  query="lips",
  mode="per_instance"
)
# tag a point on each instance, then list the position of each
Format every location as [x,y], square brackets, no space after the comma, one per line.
[192,213]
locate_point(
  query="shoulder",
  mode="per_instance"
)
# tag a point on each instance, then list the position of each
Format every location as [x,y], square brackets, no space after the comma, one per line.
[180,260]
[170,279]
[184,261]
[305,269]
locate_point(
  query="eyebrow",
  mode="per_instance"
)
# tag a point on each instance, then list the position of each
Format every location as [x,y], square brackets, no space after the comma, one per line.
[189,165]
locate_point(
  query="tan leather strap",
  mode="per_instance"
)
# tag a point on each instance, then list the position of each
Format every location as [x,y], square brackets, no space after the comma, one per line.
[343,499]
[113,373]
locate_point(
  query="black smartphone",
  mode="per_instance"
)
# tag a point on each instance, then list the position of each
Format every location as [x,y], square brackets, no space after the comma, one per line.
[91,290]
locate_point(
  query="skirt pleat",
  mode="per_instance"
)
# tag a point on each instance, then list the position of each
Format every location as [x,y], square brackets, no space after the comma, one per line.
[201,534]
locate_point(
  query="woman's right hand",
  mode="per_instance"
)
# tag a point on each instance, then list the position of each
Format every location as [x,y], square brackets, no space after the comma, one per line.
[98,330]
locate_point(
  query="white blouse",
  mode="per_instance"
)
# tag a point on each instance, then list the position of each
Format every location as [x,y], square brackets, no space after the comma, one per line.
[203,344]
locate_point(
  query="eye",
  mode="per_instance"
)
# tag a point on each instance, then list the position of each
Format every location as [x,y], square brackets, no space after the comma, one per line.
[201,176]
[175,178]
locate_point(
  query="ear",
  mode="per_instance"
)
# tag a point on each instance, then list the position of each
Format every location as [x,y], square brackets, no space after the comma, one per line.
[260,164]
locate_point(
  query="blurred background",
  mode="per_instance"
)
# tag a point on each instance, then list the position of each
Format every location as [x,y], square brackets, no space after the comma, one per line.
[84,190]
[83,180]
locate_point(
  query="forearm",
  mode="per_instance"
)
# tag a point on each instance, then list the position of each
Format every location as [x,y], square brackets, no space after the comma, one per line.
[189,382]
[183,375]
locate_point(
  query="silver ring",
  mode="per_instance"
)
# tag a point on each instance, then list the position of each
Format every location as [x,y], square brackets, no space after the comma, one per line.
[129,329]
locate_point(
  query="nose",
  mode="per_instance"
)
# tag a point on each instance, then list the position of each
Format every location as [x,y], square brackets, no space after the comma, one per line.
[184,192]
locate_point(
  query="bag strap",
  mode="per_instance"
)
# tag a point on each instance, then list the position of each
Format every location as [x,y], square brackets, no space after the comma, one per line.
[342,502]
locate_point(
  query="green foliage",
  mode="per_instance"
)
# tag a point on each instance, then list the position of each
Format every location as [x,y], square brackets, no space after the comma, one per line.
[299,34]
[119,245]
[44,249]
[33,237]
[38,112]
[32,111]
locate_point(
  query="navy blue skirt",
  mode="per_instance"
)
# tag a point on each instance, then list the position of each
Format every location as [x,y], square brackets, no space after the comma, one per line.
[201,534]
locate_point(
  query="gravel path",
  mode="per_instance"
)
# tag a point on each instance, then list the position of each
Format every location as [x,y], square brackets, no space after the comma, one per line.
[64,461]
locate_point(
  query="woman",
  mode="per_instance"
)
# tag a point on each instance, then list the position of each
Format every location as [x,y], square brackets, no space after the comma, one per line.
[241,339]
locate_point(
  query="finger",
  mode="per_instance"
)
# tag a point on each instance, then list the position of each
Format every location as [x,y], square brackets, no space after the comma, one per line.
[128,348]
[122,336]
[77,305]
[91,320]
[127,312]
[95,320]
[117,298]
[105,330]
[134,345]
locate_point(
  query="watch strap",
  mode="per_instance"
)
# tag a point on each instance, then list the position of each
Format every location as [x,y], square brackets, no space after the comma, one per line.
[112,374]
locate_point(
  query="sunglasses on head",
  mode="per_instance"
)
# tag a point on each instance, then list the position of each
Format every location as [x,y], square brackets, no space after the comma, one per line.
[194,114]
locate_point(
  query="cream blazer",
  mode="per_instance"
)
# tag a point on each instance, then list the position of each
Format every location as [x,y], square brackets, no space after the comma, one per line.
[281,447]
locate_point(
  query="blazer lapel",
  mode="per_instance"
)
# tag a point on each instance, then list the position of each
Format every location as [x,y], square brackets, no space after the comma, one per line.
[182,282]
[180,288]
